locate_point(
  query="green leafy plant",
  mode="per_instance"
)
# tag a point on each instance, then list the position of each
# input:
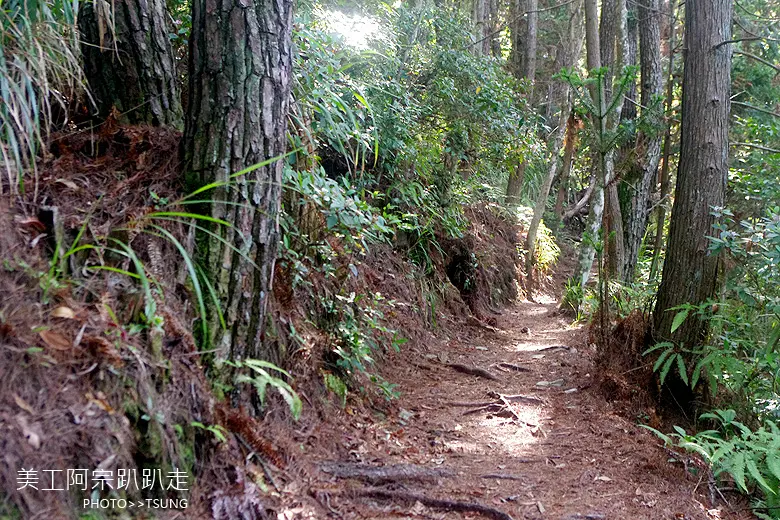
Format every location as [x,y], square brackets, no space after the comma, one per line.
[260,374]
[219,432]
[750,457]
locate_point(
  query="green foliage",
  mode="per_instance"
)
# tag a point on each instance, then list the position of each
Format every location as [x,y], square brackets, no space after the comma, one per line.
[333,248]
[740,361]
[332,109]
[546,249]
[259,374]
[39,65]
[336,385]
[750,457]
[219,432]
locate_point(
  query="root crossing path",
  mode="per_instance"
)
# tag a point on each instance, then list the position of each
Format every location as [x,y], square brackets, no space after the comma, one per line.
[504,423]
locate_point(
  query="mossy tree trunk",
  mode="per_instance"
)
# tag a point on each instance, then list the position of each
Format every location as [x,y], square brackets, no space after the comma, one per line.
[131,66]
[240,72]
[690,273]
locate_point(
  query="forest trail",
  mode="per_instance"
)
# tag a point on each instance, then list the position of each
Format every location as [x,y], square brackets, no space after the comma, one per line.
[558,452]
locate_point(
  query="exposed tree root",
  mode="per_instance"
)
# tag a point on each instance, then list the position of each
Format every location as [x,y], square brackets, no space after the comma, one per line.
[382,474]
[474,371]
[436,503]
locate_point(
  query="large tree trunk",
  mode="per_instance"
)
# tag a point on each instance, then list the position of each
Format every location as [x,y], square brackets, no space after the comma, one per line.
[240,69]
[649,141]
[690,273]
[132,67]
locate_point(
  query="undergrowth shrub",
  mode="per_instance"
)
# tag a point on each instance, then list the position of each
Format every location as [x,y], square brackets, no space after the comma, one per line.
[326,269]
[39,67]
[740,362]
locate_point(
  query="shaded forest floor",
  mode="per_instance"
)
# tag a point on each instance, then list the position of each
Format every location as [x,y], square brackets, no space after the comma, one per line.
[540,441]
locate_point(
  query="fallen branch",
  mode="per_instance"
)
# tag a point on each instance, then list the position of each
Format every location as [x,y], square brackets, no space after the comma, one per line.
[474,371]
[553,347]
[517,398]
[382,474]
[505,476]
[509,367]
[436,503]
[580,205]
[469,404]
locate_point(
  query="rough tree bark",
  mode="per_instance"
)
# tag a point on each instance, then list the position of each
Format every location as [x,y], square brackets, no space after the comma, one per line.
[648,144]
[132,67]
[240,68]
[690,273]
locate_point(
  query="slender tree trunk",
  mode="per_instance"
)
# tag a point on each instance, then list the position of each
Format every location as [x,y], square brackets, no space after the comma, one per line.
[493,41]
[517,38]
[649,141]
[632,51]
[240,70]
[515,184]
[593,224]
[555,143]
[613,26]
[531,44]
[614,55]
[690,273]
[561,100]
[132,67]
[479,15]
[527,71]
[569,145]
[664,174]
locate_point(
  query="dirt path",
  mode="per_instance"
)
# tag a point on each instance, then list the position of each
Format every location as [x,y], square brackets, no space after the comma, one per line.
[561,454]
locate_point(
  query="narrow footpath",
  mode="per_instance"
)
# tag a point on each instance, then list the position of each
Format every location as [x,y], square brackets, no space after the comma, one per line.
[538,440]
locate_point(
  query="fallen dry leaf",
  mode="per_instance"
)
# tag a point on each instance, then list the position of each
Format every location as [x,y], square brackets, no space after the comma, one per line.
[31,222]
[33,438]
[63,312]
[100,346]
[55,340]
[21,403]
[70,184]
